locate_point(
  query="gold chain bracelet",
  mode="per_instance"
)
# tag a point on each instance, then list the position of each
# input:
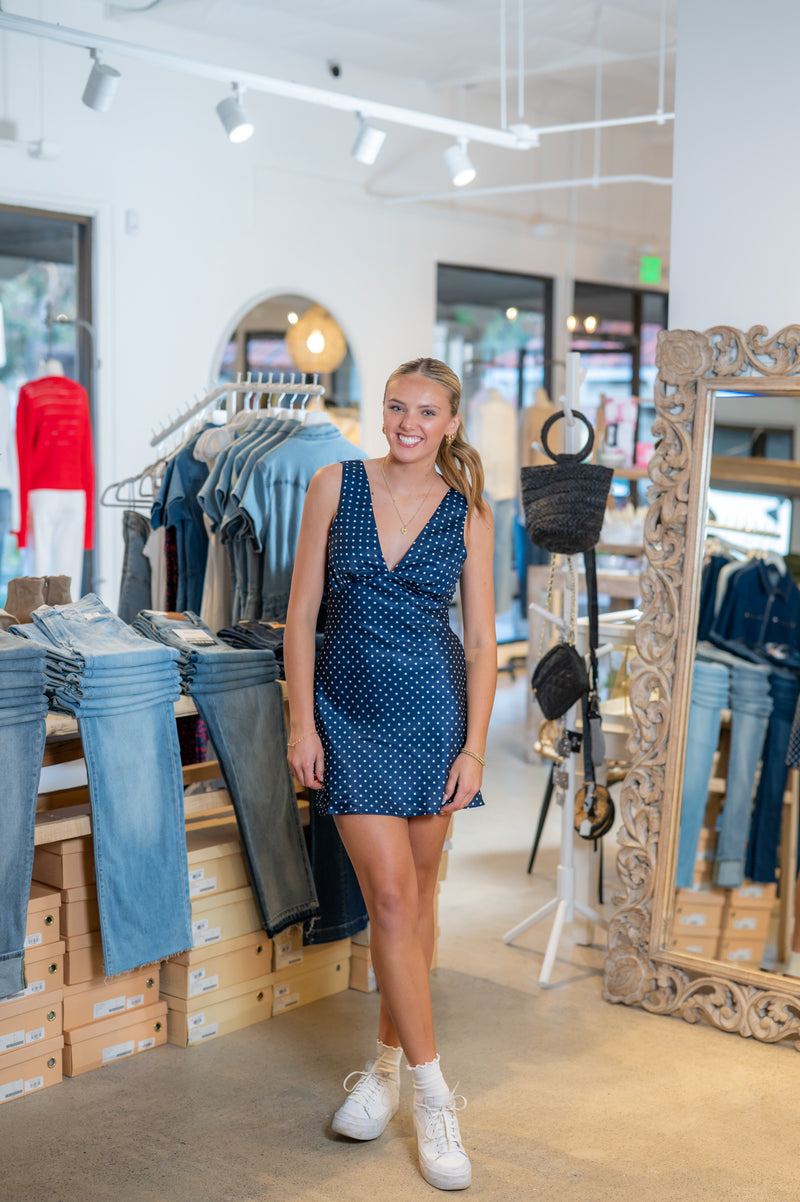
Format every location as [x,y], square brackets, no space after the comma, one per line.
[302,737]
[475,756]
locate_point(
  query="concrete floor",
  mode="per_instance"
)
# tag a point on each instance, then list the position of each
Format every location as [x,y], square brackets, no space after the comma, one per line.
[570,1099]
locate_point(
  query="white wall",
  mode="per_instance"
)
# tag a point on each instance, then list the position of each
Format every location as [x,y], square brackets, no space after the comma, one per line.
[221,226]
[735,258]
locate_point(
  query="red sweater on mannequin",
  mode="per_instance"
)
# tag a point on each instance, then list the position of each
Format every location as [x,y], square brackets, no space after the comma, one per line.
[54,445]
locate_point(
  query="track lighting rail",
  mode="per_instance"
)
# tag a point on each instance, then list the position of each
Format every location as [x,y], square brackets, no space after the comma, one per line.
[522,137]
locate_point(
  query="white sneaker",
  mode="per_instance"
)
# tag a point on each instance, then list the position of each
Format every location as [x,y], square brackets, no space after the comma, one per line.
[442,1159]
[373,1101]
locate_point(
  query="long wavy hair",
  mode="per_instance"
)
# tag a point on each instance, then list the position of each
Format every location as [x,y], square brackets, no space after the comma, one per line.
[458,461]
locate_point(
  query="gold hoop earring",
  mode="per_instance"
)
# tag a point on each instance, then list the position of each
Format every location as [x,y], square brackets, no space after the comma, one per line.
[383,429]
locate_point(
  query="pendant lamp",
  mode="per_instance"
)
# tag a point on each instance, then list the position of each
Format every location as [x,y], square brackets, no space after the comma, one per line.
[315,342]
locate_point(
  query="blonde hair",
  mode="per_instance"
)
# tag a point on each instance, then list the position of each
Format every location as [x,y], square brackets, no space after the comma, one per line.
[457,460]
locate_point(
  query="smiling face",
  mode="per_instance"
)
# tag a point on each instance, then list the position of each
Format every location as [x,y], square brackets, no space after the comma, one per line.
[417,414]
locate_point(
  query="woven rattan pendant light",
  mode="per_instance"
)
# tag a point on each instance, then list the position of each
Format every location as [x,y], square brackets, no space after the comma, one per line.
[315,342]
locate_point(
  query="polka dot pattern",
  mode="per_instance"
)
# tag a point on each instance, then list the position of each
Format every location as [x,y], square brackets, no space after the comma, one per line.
[390,683]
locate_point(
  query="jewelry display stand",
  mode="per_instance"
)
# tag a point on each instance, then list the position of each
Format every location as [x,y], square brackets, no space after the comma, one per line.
[565,903]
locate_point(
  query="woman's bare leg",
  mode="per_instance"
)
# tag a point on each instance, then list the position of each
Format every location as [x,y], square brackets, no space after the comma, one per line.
[394,861]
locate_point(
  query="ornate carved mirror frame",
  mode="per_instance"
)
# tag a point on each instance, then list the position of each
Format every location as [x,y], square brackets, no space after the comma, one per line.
[640,971]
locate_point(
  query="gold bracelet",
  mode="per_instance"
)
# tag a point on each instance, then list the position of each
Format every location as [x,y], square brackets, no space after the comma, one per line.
[302,737]
[474,754]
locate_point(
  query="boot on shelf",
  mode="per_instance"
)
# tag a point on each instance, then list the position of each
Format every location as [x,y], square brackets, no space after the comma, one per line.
[7,619]
[57,590]
[25,593]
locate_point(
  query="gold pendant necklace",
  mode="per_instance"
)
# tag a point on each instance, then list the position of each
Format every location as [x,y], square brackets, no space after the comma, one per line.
[404,525]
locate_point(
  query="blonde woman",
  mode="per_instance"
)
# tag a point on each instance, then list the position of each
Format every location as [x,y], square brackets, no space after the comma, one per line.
[391,729]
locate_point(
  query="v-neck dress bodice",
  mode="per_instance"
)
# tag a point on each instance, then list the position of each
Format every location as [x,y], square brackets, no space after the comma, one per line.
[390,682]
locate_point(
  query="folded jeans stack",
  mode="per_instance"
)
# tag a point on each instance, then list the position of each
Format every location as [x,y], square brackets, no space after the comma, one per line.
[122,689]
[23,706]
[238,697]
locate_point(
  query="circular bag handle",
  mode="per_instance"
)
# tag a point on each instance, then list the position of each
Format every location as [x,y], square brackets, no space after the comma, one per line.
[563,457]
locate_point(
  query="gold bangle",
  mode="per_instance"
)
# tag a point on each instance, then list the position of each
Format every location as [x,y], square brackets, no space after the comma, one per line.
[474,754]
[302,737]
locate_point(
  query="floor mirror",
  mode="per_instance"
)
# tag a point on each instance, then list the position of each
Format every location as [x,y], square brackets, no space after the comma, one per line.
[724,482]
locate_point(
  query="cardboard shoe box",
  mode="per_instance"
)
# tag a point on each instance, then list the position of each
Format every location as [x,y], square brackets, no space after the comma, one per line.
[44,972]
[216,860]
[218,917]
[362,974]
[29,1022]
[90,1002]
[65,865]
[325,970]
[114,1038]
[84,958]
[79,911]
[192,1021]
[28,1070]
[208,969]
[44,918]
[694,943]
[698,910]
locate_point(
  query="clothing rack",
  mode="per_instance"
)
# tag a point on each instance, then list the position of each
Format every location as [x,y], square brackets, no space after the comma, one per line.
[280,387]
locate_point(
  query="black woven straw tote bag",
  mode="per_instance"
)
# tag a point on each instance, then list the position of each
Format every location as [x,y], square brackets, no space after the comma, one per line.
[565,502]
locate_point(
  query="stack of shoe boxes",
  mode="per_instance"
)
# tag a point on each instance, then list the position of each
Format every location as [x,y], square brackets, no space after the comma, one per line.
[224,983]
[306,974]
[104,1021]
[31,1039]
[745,923]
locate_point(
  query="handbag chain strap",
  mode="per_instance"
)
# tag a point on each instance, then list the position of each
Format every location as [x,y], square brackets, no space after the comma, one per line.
[568,635]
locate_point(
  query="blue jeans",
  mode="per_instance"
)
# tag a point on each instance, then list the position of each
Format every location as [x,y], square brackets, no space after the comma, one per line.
[23,707]
[751,706]
[133,763]
[134,590]
[241,704]
[710,695]
[130,744]
[342,911]
[765,827]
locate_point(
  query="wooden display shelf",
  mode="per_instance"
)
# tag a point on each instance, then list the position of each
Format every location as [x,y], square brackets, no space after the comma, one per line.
[780,476]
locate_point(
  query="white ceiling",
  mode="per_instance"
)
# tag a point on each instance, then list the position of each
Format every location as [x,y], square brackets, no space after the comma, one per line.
[455,43]
[450,49]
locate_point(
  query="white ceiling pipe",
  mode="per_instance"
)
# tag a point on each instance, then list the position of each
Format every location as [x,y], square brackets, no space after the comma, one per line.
[522,139]
[549,185]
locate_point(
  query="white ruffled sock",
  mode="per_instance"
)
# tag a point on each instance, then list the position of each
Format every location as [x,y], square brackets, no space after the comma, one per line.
[387,1059]
[428,1081]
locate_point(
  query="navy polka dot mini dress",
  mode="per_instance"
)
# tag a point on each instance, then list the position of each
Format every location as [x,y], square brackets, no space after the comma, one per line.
[390,682]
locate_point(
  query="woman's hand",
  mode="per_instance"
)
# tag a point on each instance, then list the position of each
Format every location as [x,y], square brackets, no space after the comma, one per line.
[307,761]
[463,783]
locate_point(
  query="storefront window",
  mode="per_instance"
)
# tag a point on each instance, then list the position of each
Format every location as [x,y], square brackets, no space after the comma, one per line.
[616,329]
[40,257]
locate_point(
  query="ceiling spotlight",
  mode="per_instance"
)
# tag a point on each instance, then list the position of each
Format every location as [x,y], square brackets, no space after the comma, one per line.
[292,318]
[101,86]
[234,118]
[590,324]
[572,322]
[368,143]
[458,163]
[512,313]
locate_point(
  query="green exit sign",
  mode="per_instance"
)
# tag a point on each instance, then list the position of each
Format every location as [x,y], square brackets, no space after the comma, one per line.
[649,269]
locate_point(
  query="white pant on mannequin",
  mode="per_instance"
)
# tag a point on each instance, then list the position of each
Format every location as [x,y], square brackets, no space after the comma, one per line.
[56,525]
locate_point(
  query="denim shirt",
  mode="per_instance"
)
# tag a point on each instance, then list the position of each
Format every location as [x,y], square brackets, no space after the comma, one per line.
[761,605]
[273,501]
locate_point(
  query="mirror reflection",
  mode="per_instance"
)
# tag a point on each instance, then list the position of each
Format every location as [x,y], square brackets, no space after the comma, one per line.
[737,851]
